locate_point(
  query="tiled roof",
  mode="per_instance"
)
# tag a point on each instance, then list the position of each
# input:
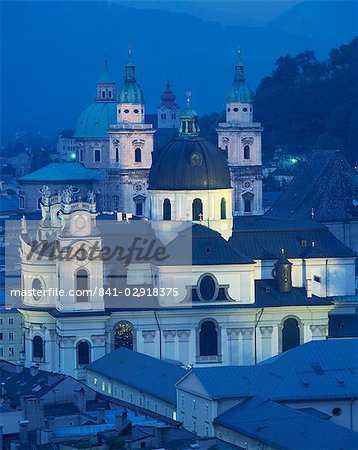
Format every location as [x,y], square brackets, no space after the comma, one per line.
[263,238]
[65,171]
[325,183]
[315,370]
[145,373]
[283,427]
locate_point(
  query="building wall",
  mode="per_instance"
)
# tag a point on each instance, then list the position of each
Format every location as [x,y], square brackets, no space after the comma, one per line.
[10,335]
[129,394]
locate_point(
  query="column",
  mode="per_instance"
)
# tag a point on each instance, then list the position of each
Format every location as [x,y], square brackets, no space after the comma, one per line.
[148,342]
[319,332]
[169,343]
[266,335]
[183,336]
[233,345]
[247,345]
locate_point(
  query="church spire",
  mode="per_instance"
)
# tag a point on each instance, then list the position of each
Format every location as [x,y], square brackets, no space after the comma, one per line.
[106,84]
[130,67]
[239,67]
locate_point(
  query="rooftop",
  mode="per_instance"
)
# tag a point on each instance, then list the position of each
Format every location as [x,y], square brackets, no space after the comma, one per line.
[62,172]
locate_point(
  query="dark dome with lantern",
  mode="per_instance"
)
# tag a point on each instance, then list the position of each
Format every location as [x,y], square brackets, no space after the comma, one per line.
[189,162]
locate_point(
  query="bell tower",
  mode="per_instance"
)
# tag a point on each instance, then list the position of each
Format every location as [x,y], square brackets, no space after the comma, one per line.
[131,145]
[240,138]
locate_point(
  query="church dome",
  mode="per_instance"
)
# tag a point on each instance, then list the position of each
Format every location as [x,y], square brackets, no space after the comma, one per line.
[239,91]
[131,92]
[95,120]
[190,164]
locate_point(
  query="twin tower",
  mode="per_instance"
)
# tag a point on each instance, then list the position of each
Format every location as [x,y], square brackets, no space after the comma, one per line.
[112,135]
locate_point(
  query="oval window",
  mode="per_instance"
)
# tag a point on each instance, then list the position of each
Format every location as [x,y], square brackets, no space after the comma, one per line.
[126,111]
[136,111]
[119,111]
[337,411]
[244,109]
[236,109]
[207,288]
[37,289]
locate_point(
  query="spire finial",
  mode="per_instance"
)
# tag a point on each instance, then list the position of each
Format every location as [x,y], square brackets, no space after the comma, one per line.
[188,95]
[129,50]
[312,213]
[282,252]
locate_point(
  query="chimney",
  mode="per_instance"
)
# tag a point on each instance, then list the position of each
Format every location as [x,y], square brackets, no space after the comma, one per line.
[34,370]
[309,287]
[100,418]
[121,421]
[80,399]
[24,432]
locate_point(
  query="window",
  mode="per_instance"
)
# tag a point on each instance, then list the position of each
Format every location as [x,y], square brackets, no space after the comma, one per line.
[110,94]
[11,321]
[182,400]
[244,109]
[39,202]
[236,109]
[1,336]
[194,405]
[95,381]
[208,339]
[247,152]
[123,335]
[163,116]
[37,289]
[37,347]
[138,155]
[317,278]
[11,336]
[139,209]
[117,154]
[103,386]
[223,209]
[83,353]
[1,351]
[247,206]
[103,94]
[136,111]
[11,351]
[197,209]
[81,155]
[126,111]
[22,202]
[81,285]
[97,155]
[207,288]
[290,334]
[167,210]
[174,116]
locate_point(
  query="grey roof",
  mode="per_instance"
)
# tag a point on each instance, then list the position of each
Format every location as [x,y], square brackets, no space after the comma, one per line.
[325,183]
[189,164]
[264,237]
[145,373]
[283,427]
[315,370]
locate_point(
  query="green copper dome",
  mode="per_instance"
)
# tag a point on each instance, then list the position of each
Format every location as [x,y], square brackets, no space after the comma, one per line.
[240,91]
[131,92]
[96,119]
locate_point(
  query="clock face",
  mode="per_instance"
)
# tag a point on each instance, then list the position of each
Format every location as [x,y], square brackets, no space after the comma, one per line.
[80,222]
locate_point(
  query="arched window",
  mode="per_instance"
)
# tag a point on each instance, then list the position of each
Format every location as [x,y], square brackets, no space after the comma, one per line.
[208,339]
[123,335]
[37,347]
[81,285]
[247,152]
[290,334]
[137,155]
[223,209]
[117,154]
[83,353]
[167,210]
[197,209]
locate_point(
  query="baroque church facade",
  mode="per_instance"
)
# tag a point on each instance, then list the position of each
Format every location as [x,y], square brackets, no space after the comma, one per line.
[247,287]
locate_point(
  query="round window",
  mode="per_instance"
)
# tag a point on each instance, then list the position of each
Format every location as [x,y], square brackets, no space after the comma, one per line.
[196,159]
[207,288]
[236,109]
[337,411]
[37,289]
[126,111]
[244,109]
[136,111]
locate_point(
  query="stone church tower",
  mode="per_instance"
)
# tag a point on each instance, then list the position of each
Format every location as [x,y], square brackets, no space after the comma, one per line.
[240,138]
[131,146]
